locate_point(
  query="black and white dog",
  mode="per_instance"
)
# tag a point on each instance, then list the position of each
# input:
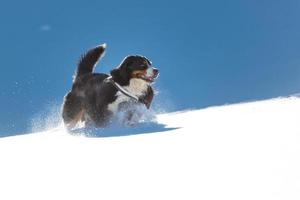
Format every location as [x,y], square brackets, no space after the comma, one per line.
[96,97]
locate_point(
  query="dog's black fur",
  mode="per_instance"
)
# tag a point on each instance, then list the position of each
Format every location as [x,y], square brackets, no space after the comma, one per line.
[90,95]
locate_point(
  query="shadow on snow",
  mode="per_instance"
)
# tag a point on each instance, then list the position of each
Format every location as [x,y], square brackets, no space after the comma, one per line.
[117,131]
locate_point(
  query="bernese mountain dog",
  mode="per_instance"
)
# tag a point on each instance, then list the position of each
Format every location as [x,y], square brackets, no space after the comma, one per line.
[96,97]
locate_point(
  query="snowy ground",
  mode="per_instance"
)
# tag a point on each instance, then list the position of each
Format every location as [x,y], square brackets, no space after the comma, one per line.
[242,151]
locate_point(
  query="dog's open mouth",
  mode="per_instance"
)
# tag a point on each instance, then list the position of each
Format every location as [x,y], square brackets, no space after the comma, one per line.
[148,77]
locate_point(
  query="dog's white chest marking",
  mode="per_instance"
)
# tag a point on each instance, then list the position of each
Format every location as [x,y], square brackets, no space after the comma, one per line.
[137,87]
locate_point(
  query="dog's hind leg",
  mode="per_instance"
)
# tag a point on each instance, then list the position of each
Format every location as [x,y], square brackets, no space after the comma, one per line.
[72,110]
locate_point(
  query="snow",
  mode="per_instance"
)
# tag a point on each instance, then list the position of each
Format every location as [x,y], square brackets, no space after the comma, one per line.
[242,151]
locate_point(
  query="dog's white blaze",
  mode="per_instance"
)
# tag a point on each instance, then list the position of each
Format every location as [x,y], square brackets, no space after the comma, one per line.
[149,72]
[136,86]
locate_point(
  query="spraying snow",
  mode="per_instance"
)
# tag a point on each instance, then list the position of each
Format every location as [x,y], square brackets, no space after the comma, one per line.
[242,151]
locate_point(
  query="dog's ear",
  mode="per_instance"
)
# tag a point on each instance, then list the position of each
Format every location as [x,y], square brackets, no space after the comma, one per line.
[115,72]
[120,75]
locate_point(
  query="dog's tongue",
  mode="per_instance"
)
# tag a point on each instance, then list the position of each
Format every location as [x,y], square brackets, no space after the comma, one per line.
[151,78]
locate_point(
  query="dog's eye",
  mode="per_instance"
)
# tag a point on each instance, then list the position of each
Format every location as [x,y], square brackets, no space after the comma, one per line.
[143,67]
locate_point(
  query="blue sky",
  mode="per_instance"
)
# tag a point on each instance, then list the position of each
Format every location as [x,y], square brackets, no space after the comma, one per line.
[208,52]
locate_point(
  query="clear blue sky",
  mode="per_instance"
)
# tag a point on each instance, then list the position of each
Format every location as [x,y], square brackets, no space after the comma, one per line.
[208,52]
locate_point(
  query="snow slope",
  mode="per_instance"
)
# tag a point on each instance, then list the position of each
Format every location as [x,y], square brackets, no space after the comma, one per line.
[242,151]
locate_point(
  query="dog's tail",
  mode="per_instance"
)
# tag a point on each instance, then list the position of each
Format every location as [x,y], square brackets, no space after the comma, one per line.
[89,60]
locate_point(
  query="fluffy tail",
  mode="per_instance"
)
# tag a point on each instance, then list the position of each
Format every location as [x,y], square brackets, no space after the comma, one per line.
[89,60]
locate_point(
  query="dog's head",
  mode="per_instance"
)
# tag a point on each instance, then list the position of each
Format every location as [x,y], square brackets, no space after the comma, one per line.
[134,67]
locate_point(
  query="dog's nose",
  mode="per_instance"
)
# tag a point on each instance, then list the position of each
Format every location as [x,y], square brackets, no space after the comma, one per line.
[155,71]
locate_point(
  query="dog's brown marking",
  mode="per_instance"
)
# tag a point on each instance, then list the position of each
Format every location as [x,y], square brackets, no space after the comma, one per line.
[139,73]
